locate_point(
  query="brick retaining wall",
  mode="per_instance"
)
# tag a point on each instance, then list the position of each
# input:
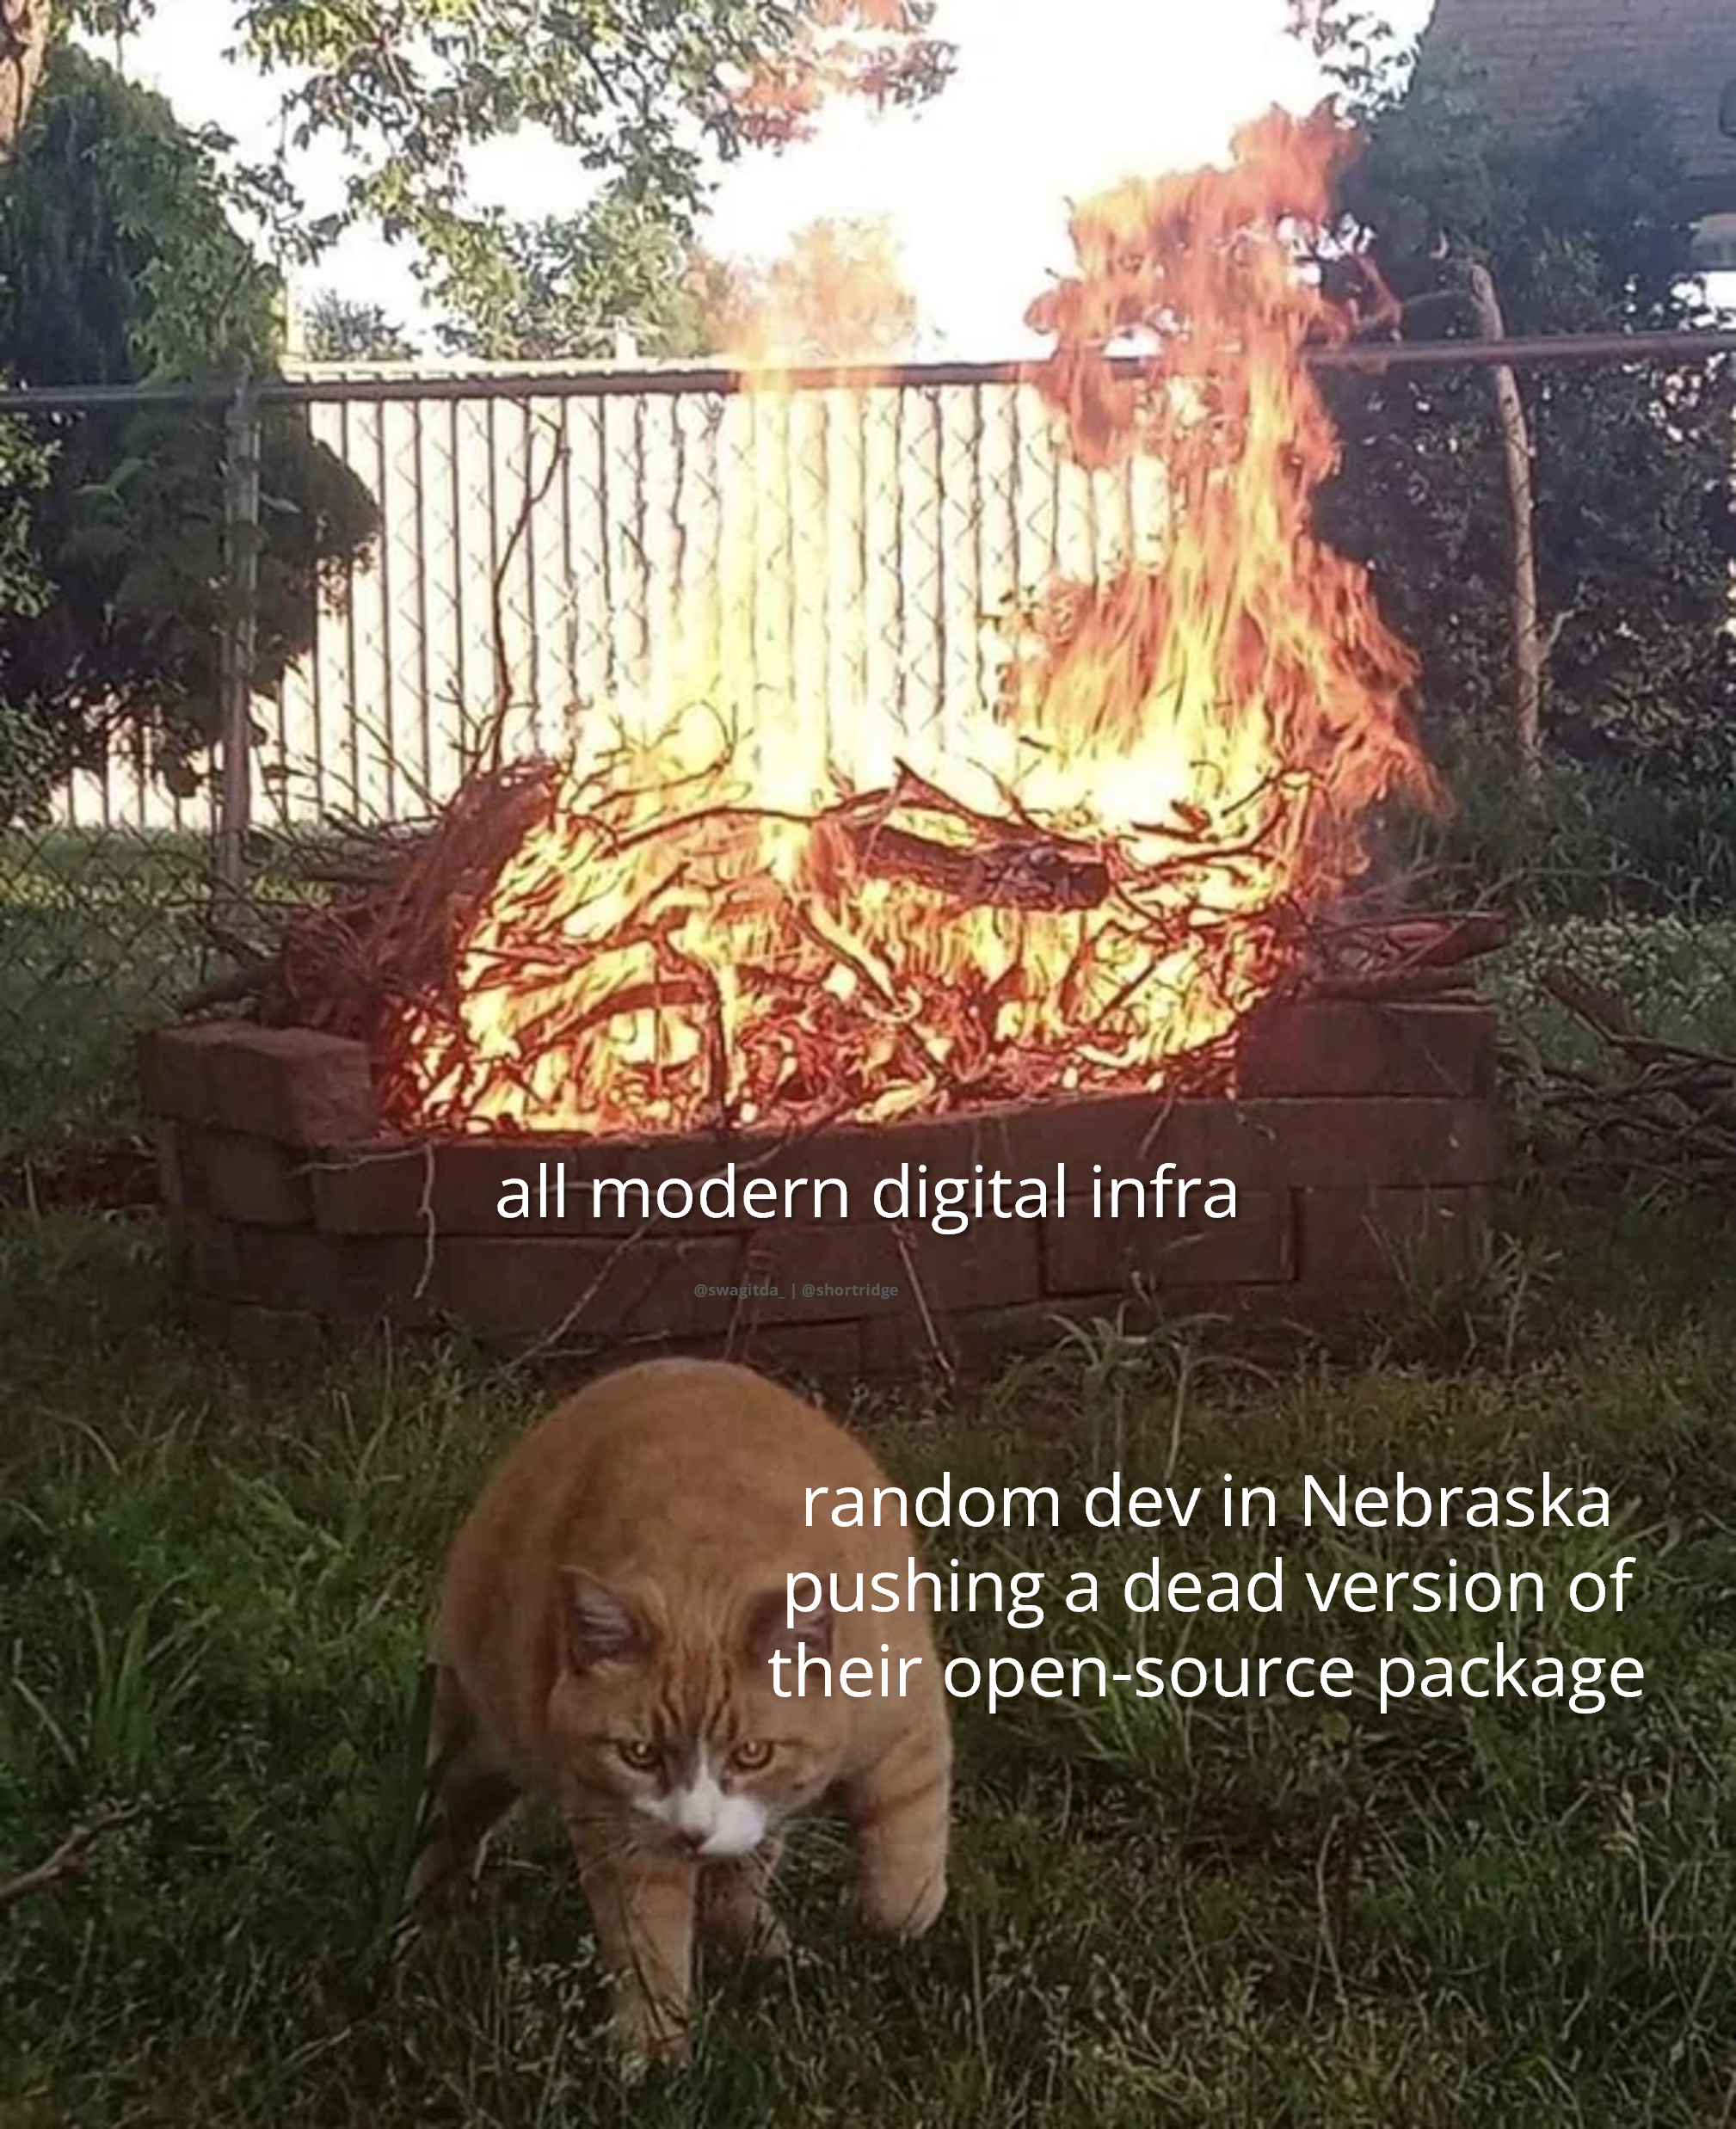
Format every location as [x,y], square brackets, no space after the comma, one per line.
[1361,1133]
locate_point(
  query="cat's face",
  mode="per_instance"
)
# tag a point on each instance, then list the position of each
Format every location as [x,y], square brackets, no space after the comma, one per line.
[677,1723]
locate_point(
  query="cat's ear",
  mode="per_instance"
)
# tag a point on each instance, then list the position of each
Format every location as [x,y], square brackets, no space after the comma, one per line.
[599,1625]
[770,1633]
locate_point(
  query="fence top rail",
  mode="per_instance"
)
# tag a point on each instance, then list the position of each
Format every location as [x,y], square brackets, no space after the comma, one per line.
[400,387]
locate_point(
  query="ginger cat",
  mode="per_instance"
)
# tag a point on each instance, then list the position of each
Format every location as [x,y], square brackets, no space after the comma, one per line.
[608,1621]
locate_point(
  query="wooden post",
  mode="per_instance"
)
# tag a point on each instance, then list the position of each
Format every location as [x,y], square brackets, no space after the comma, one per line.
[235,654]
[1528,645]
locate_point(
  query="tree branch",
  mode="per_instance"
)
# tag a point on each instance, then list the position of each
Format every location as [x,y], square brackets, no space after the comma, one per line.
[23,50]
[71,1859]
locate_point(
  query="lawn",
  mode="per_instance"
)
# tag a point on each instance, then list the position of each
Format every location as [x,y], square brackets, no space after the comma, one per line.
[214,1579]
[99,936]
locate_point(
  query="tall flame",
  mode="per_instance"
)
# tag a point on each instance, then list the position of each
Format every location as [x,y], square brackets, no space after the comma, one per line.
[725,918]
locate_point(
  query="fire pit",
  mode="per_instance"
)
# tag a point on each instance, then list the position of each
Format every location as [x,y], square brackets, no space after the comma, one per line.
[1360,1135]
[685,1040]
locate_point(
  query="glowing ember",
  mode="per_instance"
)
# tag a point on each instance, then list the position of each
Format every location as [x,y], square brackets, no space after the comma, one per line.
[716,922]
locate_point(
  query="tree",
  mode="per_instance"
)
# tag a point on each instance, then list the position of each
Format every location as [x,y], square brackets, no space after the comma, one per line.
[336,328]
[118,265]
[23,465]
[26,744]
[1631,468]
[649,97]
[837,295]
[564,288]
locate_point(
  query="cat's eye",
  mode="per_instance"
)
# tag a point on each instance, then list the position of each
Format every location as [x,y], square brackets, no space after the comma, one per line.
[644,1757]
[755,1752]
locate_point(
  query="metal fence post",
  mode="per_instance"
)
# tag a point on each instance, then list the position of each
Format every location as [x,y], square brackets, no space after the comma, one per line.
[236,651]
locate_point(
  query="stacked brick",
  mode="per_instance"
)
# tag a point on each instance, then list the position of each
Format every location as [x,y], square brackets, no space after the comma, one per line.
[1362,1136]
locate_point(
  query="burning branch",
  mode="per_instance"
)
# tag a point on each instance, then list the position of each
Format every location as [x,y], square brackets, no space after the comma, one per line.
[1412,957]
[1008,865]
[1008,875]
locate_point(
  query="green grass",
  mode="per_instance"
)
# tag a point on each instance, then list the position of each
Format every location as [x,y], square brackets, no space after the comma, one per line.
[101,934]
[98,937]
[1678,975]
[213,1581]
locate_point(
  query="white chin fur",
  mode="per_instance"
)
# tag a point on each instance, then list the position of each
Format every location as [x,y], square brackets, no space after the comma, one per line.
[730,1825]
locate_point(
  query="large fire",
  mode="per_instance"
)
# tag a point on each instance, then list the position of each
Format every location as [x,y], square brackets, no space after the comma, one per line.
[722,917]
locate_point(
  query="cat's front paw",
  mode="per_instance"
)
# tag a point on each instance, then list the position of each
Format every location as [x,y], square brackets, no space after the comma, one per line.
[645,2034]
[441,1885]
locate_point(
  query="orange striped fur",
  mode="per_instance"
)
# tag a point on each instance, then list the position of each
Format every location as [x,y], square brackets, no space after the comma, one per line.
[608,1617]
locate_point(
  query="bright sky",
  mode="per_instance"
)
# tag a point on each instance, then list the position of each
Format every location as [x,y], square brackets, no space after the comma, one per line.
[1053,99]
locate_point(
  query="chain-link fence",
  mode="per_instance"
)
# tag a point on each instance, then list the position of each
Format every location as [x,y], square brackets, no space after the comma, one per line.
[542,552]
[353,587]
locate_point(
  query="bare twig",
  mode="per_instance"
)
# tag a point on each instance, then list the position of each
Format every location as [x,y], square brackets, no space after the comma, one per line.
[1666,1117]
[490,754]
[71,1859]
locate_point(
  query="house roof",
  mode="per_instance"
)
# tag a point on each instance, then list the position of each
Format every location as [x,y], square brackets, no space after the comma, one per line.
[1537,59]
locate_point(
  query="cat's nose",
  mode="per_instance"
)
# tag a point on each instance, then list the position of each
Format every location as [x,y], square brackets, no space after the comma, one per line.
[693,1838]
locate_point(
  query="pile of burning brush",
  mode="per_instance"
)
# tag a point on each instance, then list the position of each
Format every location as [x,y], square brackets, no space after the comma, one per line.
[386,942]
[752,909]
[749,905]
[385,926]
